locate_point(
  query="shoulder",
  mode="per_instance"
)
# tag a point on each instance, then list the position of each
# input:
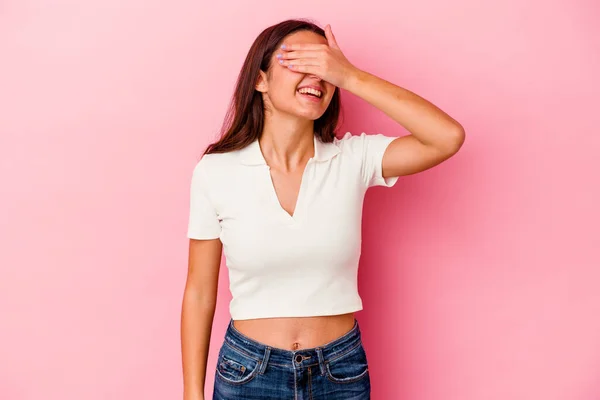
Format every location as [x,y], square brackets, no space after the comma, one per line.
[348,142]
[361,139]
[214,164]
[367,151]
[348,138]
[362,144]
[211,173]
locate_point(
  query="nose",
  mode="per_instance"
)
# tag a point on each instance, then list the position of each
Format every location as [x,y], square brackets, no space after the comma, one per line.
[316,77]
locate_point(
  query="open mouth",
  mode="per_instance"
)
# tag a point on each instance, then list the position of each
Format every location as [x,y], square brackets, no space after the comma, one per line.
[310,93]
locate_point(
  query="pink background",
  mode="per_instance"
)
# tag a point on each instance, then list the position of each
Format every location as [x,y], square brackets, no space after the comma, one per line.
[479,277]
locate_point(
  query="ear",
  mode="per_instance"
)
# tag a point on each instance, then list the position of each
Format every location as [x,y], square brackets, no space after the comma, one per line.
[261,82]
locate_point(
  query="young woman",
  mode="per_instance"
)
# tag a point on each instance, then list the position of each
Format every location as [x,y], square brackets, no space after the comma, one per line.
[283,196]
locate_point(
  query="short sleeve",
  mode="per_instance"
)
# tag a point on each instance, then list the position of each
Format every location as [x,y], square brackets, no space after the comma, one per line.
[370,150]
[203,220]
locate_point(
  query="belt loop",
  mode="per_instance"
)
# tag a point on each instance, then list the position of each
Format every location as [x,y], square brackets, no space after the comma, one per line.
[321,360]
[265,360]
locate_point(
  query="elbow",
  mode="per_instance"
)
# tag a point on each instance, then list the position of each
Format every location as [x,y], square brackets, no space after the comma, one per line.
[456,139]
[200,298]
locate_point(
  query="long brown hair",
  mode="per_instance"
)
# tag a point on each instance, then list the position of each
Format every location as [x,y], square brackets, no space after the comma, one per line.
[244,119]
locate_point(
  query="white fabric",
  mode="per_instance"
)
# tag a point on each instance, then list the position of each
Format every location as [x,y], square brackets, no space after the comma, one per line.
[281,265]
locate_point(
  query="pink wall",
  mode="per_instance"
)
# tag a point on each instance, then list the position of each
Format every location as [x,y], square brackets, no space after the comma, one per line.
[479,277]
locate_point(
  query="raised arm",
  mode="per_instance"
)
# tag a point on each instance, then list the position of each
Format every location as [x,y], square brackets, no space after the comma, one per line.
[435,136]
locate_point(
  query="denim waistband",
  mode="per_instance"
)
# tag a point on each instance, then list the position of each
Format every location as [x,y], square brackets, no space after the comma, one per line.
[293,358]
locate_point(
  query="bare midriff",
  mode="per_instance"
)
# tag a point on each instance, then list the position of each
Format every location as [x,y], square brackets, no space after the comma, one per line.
[295,333]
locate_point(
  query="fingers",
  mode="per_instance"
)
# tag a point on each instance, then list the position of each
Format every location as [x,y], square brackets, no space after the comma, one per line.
[290,55]
[302,46]
[306,69]
[293,59]
[305,65]
[300,61]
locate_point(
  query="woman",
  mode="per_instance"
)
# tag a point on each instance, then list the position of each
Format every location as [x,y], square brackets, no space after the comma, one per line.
[282,196]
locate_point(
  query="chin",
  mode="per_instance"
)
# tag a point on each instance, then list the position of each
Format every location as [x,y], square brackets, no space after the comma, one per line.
[302,111]
[310,115]
[307,113]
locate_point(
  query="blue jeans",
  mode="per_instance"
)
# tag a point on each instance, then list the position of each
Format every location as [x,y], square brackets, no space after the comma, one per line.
[247,369]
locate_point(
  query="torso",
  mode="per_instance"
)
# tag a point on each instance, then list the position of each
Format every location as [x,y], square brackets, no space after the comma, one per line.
[288,232]
[292,333]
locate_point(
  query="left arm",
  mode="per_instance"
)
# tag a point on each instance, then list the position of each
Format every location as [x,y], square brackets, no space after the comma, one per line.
[435,136]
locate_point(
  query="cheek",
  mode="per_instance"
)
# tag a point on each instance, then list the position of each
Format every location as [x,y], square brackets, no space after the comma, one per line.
[284,87]
[283,94]
[283,76]
[330,89]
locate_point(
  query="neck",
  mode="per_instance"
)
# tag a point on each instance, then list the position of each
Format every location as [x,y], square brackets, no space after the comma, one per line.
[287,143]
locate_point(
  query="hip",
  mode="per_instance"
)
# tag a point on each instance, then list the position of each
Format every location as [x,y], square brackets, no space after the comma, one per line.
[249,369]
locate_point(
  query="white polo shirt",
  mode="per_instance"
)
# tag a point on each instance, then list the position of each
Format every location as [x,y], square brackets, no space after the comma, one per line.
[282,265]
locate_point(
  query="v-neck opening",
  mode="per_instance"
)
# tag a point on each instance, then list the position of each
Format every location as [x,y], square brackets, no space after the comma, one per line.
[297,214]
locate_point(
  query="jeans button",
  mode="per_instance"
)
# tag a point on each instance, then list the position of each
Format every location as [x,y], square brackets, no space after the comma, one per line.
[298,358]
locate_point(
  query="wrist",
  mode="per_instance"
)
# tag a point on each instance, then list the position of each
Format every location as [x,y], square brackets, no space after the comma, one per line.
[354,80]
[195,395]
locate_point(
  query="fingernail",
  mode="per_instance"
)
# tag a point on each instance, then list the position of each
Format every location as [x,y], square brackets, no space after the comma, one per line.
[283,46]
[278,55]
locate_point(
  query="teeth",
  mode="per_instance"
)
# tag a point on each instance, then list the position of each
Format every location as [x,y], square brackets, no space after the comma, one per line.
[311,91]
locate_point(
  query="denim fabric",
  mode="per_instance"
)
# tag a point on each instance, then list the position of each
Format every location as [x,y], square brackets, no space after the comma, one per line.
[250,370]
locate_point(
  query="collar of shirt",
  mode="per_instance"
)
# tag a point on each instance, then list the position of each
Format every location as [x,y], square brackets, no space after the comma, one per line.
[252,155]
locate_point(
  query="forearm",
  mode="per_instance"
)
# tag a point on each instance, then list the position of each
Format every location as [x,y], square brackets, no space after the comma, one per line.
[196,325]
[424,120]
